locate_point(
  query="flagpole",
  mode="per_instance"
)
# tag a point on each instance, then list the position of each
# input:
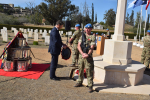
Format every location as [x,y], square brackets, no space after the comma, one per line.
[140,26]
[138,29]
[145,22]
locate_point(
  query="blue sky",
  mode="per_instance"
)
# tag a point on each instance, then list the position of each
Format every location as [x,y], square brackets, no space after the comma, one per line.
[100,6]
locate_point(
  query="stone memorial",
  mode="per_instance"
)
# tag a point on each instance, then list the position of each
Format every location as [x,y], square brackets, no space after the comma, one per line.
[61,33]
[26,36]
[127,37]
[69,33]
[15,32]
[25,30]
[36,31]
[45,31]
[2,32]
[32,30]
[5,36]
[30,34]
[35,36]
[40,31]
[49,31]
[47,40]
[44,34]
[28,29]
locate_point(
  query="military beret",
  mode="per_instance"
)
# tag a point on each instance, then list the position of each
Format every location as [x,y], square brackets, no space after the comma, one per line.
[88,26]
[77,25]
[148,31]
[107,29]
[96,33]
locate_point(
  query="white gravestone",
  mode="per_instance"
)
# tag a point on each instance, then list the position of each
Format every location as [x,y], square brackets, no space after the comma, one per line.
[28,29]
[2,32]
[47,40]
[66,33]
[36,31]
[70,33]
[127,37]
[61,33]
[40,31]
[44,34]
[12,28]
[26,36]
[30,34]
[25,30]
[15,32]
[5,28]
[49,31]
[22,30]
[35,36]
[32,30]
[45,31]
[5,36]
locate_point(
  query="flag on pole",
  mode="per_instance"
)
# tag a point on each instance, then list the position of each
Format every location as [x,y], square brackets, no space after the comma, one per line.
[147,4]
[131,4]
[139,2]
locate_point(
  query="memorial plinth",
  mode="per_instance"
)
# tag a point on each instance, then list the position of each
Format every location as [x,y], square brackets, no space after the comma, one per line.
[117,52]
[111,74]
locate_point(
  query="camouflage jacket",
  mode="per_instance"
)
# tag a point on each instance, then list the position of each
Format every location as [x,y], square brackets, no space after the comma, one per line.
[76,35]
[146,41]
[90,40]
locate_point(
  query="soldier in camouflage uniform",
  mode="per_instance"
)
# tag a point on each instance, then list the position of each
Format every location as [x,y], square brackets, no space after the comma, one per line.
[86,59]
[145,57]
[74,39]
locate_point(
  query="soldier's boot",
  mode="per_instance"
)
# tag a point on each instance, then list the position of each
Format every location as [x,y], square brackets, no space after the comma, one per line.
[72,65]
[90,89]
[78,85]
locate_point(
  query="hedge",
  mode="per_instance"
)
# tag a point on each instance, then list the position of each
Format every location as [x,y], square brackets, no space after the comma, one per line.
[35,42]
[131,35]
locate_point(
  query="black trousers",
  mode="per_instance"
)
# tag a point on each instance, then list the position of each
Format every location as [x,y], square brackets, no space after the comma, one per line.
[53,65]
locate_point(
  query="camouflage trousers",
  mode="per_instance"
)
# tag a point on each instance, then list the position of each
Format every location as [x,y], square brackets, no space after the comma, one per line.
[75,54]
[88,64]
[145,57]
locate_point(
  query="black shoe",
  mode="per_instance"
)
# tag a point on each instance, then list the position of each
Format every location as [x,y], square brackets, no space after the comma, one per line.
[90,89]
[78,85]
[55,79]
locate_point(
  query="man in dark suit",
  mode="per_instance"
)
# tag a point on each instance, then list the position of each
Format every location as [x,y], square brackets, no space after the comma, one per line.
[55,48]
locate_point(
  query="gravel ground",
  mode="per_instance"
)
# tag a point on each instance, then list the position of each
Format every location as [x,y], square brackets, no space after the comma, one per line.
[45,89]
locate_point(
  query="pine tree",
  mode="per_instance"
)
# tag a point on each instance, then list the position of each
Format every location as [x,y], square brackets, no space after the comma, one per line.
[95,18]
[137,19]
[92,13]
[110,17]
[132,18]
[53,10]
[127,19]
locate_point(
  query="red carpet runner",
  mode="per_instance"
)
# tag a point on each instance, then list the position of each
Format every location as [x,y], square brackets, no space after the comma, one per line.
[33,73]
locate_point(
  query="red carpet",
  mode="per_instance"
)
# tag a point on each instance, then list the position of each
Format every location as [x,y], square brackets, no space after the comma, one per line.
[33,73]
